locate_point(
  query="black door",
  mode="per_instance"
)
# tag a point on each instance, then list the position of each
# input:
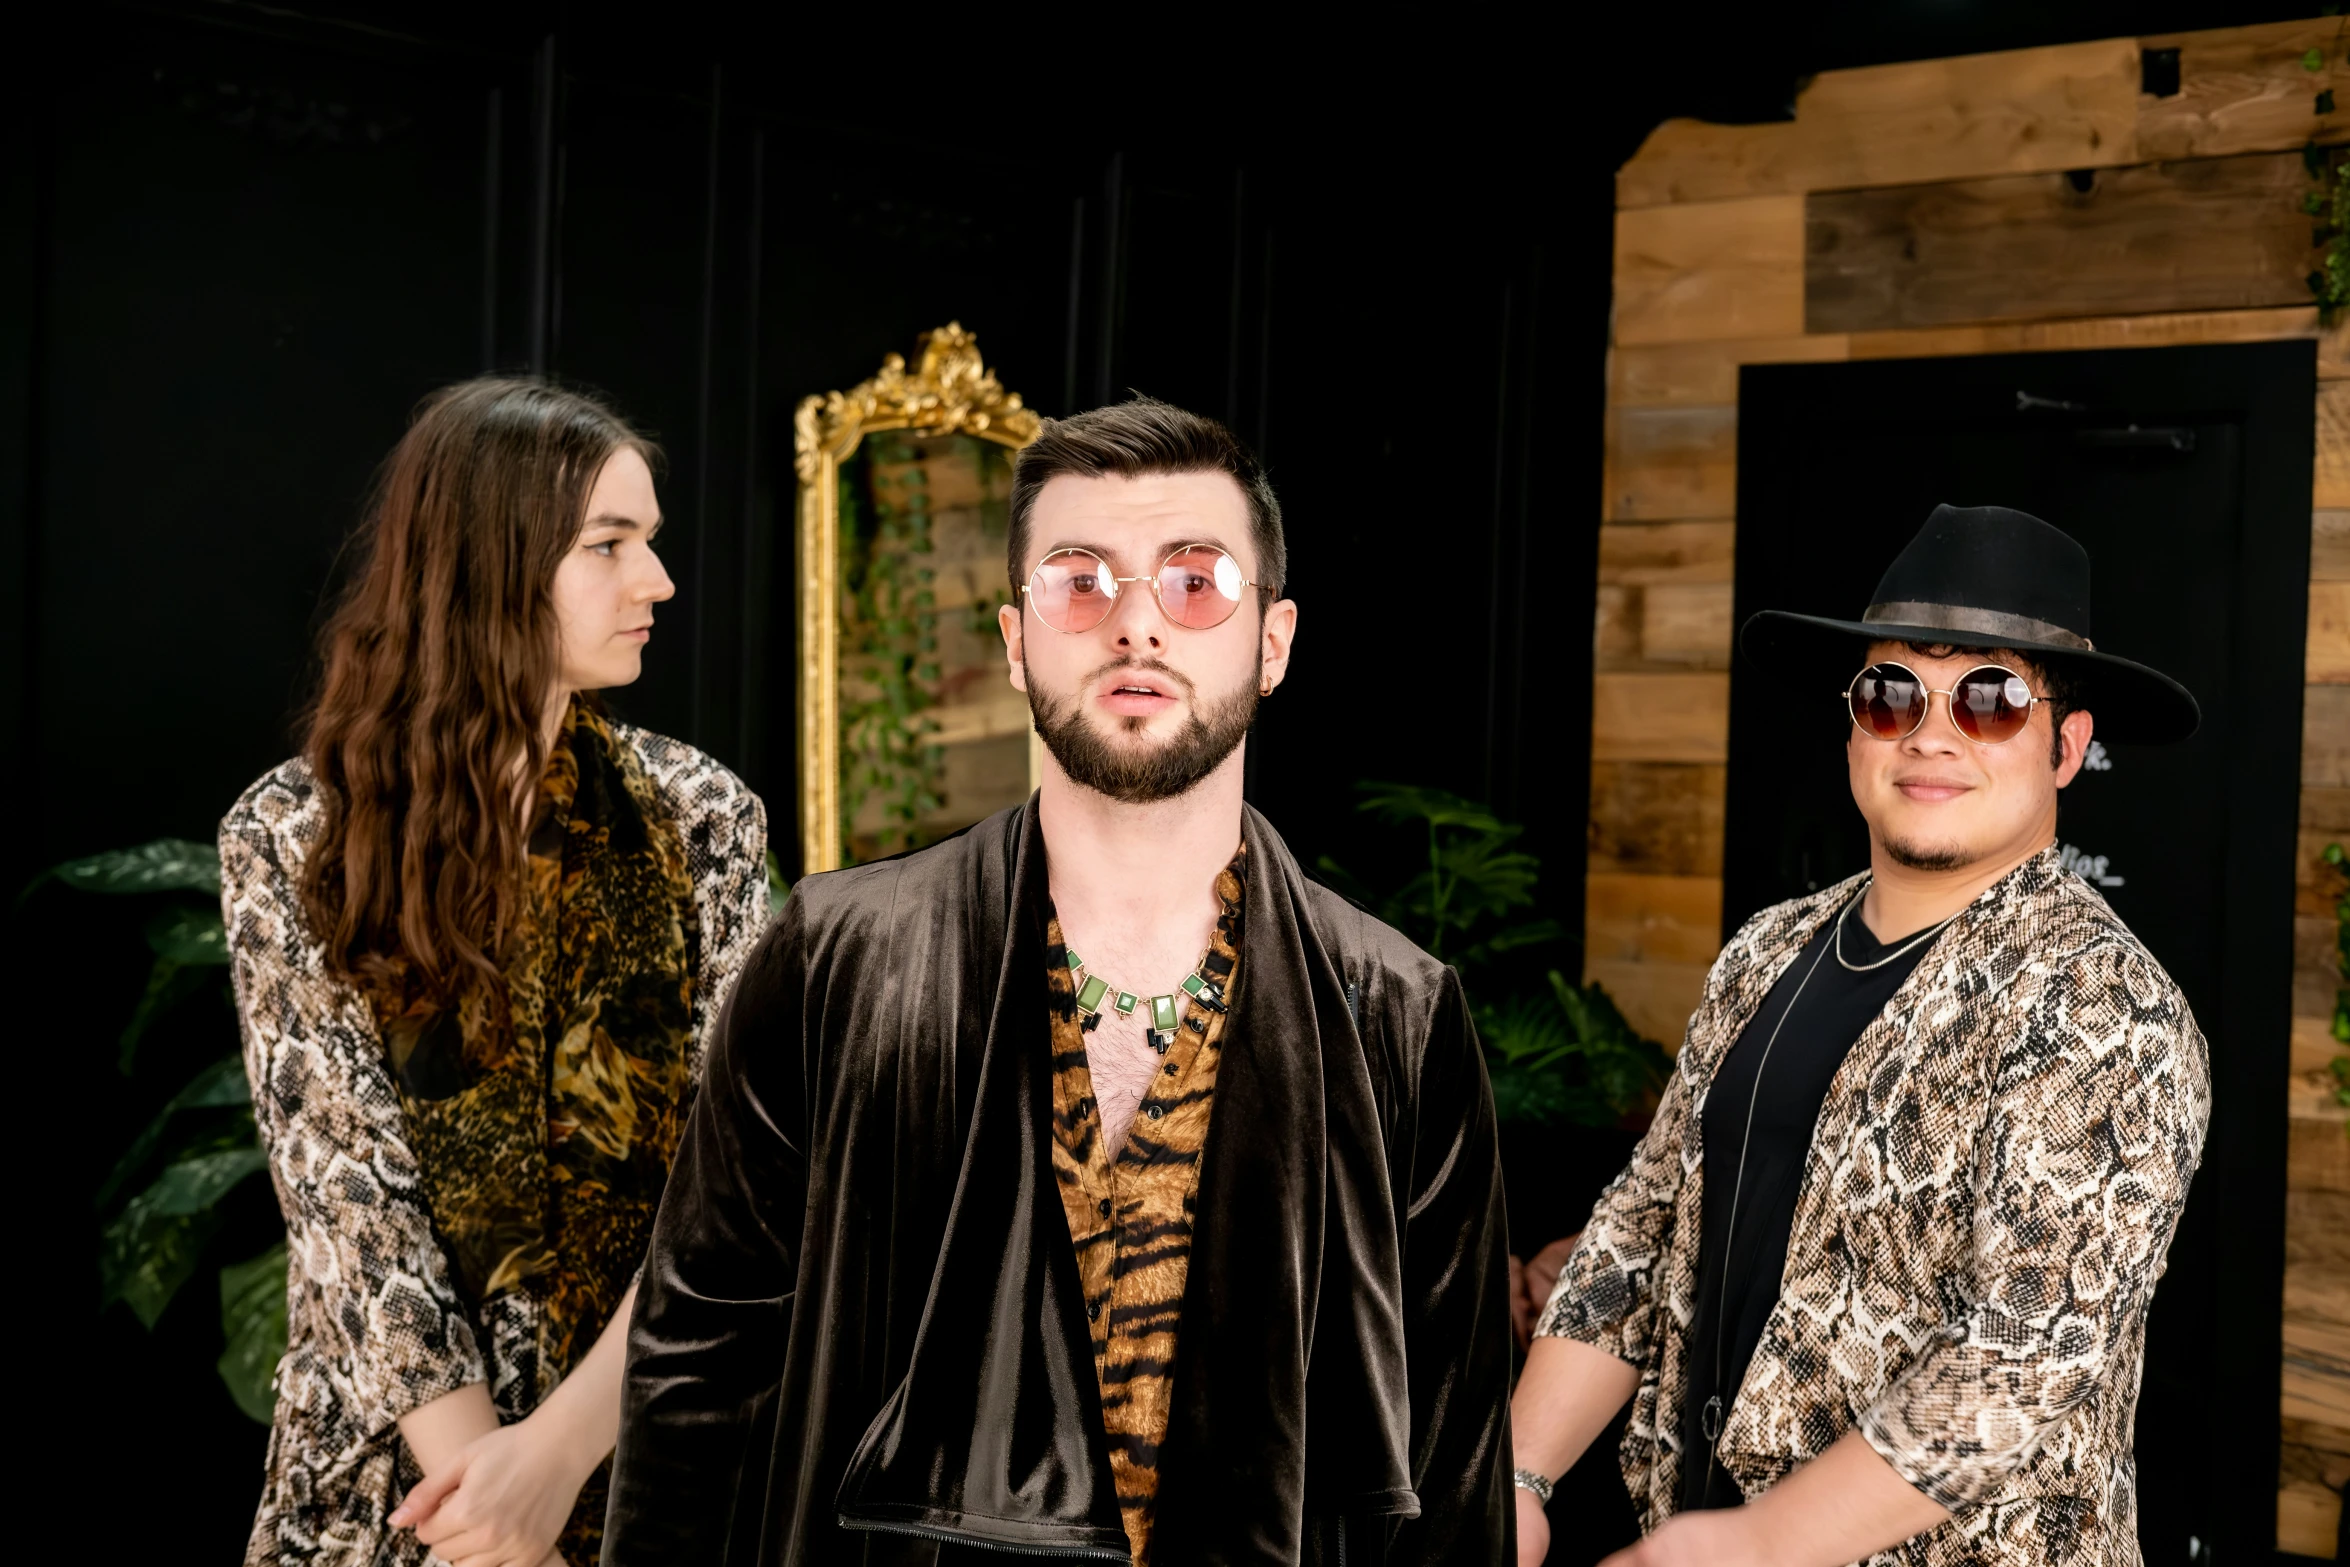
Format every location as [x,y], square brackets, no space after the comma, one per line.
[2186,474]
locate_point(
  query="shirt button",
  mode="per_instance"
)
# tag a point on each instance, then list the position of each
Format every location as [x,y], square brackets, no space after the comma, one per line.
[1105,1207]
[1154,1111]
[1170,1069]
[1093,1312]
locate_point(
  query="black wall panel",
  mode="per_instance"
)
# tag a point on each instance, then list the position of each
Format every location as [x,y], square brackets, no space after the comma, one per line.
[258,258]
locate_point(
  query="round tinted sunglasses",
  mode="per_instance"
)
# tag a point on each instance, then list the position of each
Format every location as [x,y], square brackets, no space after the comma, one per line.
[1198,586]
[1989,704]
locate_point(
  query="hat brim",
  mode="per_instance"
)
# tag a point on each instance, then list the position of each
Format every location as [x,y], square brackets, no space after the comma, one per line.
[2132,704]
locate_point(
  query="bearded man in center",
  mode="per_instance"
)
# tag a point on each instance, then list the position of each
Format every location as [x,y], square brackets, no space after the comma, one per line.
[1090,1184]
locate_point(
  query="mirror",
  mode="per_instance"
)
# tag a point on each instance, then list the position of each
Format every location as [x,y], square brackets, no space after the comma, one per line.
[908,729]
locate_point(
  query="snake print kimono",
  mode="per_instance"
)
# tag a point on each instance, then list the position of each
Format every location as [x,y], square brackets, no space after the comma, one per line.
[377,1321]
[1990,1194]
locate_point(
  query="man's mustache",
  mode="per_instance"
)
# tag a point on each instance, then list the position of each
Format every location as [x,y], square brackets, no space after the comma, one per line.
[1145,666]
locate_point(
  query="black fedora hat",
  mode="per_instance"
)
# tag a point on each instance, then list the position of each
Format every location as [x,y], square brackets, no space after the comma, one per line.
[1985,576]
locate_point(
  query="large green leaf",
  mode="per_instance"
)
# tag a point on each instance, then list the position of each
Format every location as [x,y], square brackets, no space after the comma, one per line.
[253,1322]
[146,1256]
[166,865]
[193,936]
[169,983]
[218,1085]
[150,1249]
[1406,803]
[1484,877]
[194,1185]
[1567,1056]
[1526,1031]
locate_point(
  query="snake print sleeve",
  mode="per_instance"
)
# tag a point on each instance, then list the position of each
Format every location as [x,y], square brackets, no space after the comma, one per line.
[2098,1109]
[1606,1294]
[724,828]
[373,1308]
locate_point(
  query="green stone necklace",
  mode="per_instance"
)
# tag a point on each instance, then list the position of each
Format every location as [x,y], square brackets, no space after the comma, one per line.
[1093,990]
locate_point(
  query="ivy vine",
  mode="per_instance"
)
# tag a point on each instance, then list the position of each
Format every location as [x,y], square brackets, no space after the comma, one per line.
[2328,202]
[889,649]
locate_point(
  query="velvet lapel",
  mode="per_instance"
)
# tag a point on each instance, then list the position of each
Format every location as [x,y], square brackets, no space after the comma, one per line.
[1292,1314]
[995,1434]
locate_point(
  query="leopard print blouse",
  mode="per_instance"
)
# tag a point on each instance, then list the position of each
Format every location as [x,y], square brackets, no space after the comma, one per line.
[377,1322]
[1989,1199]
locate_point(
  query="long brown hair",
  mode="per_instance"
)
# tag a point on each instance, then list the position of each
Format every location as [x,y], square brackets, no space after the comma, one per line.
[439,660]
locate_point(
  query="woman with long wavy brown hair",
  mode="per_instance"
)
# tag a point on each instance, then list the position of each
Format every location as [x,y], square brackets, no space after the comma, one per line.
[477,929]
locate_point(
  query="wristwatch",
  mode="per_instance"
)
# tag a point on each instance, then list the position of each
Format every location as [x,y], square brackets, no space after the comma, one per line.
[1528,1480]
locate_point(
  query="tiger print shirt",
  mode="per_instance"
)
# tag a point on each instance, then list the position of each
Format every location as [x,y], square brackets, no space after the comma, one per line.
[1131,1217]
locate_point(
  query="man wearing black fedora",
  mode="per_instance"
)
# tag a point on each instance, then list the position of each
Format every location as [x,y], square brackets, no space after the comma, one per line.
[1942,1118]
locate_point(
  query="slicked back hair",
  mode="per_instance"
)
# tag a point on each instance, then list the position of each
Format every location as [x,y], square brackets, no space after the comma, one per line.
[1145,436]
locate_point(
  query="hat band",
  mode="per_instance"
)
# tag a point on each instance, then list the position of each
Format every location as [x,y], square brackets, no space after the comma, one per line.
[1993,623]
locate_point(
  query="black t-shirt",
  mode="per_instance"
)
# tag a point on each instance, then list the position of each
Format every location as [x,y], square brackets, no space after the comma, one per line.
[1744,1266]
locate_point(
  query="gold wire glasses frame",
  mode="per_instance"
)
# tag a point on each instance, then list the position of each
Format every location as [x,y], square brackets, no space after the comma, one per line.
[1949,700]
[1157,579]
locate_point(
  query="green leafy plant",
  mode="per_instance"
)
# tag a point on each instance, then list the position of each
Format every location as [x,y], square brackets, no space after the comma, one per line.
[2327,201]
[1557,1052]
[159,1207]
[1568,1056]
[1459,906]
[889,646]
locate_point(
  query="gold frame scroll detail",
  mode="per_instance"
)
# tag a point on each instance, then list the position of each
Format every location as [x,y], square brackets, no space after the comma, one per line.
[948,392]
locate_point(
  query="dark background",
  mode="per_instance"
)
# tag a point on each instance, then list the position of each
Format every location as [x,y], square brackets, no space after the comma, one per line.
[239,242]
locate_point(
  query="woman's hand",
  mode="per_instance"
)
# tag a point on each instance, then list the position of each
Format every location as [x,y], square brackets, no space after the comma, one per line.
[1533,1528]
[1532,1282]
[502,1500]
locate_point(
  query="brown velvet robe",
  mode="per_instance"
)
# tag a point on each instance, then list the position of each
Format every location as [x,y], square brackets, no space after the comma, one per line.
[860,1334]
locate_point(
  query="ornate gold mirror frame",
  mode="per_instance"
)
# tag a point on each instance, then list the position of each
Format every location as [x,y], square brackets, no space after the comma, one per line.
[948,392]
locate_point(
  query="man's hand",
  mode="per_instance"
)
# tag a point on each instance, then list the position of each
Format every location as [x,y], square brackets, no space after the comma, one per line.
[1710,1539]
[1844,1505]
[1532,1282]
[1533,1528]
[500,1502]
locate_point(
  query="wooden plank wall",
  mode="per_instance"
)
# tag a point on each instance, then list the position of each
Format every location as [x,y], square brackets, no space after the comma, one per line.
[2019,202]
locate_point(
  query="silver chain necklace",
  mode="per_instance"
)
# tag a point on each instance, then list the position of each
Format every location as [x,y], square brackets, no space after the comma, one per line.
[1926,935]
[1710,1418]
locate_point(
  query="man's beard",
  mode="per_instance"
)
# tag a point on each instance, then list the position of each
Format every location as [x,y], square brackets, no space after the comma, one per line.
[1134,775]
[1917,857]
